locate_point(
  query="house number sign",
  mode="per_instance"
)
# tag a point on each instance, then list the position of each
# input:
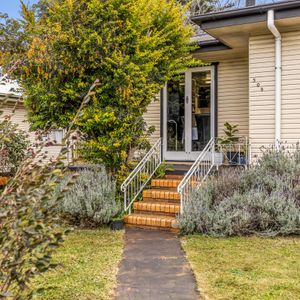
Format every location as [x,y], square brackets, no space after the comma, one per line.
[257,84]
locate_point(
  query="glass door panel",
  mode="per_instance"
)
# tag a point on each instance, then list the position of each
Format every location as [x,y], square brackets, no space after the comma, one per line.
[176,114]
[201,110]
[188,112]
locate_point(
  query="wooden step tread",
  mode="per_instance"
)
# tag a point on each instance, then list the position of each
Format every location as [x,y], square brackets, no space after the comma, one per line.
[151,220]
[157,207]
[161,194]
[173,176]
[165,183]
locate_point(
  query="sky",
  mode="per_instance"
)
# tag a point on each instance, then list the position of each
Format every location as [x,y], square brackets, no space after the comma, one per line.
[12,7]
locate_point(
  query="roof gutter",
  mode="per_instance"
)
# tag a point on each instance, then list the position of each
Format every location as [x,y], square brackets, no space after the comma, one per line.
[278,76]
[252,10]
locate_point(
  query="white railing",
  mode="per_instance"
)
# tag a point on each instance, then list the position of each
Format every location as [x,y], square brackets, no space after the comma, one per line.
[213,155]
[237,153]
[140,176]
[197,173]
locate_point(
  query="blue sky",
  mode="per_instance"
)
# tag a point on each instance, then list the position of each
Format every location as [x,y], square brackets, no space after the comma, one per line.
[12,7]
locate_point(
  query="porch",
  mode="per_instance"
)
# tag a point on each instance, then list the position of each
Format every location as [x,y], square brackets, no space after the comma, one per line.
[152,202]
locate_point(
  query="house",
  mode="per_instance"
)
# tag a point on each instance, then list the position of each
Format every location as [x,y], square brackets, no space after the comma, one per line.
[11,104]
[250,77]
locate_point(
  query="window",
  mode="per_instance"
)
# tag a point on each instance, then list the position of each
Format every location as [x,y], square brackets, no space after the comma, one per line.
[58,135]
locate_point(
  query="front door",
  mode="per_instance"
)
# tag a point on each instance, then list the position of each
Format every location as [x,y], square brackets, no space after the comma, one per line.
[188,114]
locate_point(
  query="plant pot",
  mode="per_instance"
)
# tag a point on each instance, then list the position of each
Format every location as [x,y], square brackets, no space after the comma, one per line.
[219,158]
[117,224]
[242,160]
[233,157]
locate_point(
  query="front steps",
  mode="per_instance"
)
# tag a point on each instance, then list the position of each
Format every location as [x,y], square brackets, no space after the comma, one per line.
[159,206]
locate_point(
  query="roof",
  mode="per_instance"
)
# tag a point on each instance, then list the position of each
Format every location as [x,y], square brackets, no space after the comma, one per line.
[229,29]
[283,9]
[9,87]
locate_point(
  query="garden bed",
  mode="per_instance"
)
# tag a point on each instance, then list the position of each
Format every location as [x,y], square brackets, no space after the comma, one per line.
[88,266]
[245,268]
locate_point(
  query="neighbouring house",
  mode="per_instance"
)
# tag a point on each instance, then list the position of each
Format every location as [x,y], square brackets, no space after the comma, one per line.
[250,78]
[11,104]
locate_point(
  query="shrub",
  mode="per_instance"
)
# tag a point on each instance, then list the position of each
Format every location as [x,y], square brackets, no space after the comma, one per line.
[91,200]
[263,200]
[13,145]
[69,43]
[30,230]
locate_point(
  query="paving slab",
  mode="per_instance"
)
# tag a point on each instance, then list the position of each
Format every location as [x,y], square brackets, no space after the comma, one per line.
[154,267]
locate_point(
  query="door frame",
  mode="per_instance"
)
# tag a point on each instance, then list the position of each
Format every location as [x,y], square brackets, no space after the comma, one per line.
[188,154]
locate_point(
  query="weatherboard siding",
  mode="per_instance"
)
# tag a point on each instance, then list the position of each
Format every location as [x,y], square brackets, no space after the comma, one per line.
[262,90]
[233,95]
[152,118]
[19,117]
[290,129]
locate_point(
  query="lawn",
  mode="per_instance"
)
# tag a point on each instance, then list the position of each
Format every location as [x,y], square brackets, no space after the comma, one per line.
[89,261]
[249,268]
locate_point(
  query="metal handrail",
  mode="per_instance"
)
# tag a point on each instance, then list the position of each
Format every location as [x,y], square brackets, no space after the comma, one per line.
[140,176]
[197,173]
[205,162]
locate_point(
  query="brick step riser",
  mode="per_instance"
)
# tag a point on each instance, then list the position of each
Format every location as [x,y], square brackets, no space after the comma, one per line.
[157,213]
[169,229]
[149,221]
[155,200]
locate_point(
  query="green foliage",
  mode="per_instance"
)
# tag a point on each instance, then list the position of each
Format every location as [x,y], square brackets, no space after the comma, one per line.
[91,200]
[132,46]
[263,200]
[198,7]
[230,134]
[30,229]
[162,170]
[12,39]
[13,143]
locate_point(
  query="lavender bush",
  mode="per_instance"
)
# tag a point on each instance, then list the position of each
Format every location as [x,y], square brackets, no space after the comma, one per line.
[263,200]
[91,200]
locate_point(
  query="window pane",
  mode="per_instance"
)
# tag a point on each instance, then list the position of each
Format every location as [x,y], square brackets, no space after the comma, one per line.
[175,114]
[201,93]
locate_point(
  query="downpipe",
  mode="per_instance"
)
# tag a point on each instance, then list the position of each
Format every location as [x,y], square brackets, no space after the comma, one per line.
[278,76]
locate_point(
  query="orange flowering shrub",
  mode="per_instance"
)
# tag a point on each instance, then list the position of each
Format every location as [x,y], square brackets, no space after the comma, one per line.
[3,180]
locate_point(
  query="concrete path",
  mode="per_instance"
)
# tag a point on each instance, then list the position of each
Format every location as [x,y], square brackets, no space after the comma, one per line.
[154,268]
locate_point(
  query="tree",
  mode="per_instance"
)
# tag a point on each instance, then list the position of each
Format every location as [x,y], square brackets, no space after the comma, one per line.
[11,38]
[198,7]
[132,46]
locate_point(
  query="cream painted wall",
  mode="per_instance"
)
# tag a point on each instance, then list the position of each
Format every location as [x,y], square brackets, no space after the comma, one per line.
[152,118]
[19,117]
[262,98]
[233,95]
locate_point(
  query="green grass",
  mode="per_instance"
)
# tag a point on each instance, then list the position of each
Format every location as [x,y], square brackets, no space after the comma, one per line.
[89,263]
[243,268]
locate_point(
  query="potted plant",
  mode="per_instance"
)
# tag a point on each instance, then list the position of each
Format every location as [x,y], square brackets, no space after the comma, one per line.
[242,158]
[229,141]
[117,222]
